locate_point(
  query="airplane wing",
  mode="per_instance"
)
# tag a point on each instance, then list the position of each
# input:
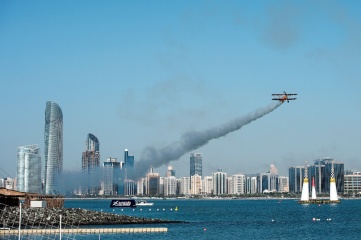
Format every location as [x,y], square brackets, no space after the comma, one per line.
[275,94]
[277,99]
[291,98]
[289,94]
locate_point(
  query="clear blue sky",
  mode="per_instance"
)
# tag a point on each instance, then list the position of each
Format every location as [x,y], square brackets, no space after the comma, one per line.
[141,73]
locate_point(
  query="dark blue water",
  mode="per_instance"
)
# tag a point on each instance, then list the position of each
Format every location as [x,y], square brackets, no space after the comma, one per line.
[239,219]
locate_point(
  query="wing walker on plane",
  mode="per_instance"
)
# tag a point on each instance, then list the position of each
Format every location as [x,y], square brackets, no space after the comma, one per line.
[284,96]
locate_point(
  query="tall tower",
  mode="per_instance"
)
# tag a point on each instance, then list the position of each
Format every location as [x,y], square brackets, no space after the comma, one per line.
[196,164]
[111,173]
[333,190]
[90,165]
[305,191]
[53,147]
[29,169]
[128,166]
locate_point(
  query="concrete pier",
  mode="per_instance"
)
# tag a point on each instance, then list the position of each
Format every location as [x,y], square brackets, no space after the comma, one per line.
[82,231]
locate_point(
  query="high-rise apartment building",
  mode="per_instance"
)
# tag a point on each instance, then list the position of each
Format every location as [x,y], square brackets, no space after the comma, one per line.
[90,166]
[207,185]
[352,182]
[29,169]
[251,184]
[170,186]
[196,184]
[153,183]
[283,184]
[130,187]
[141,186]
[53,148]
[219,182]
[238,182]
[184,185]
[111,173]
[295,178]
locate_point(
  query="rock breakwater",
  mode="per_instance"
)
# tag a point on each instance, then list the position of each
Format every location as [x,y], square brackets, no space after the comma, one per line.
[70,216]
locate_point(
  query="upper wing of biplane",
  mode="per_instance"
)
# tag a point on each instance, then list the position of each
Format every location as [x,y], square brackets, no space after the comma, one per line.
[283,94]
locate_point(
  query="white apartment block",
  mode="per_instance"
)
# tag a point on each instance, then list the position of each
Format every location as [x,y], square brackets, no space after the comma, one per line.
[207,185]
[352,183]
[238,184]
[184,187]
[170,186]
[283,185]
[196,184]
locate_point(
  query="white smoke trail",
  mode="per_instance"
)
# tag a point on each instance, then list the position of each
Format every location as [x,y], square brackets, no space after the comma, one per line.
[190,141]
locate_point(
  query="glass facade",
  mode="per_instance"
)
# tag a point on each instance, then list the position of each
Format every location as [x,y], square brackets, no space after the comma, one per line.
[128,166]
[90,166]
[29,169]
[53,148]
[324,169]
[111,173]
[321,172]
[196,164]
[295,175]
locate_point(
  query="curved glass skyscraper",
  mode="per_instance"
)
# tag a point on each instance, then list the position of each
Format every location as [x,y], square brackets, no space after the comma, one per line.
[53,147]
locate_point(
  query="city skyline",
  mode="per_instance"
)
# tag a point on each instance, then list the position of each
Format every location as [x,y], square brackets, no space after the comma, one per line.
[112,183]
[189,67]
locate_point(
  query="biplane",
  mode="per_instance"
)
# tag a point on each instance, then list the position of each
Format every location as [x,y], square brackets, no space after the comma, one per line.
[284,96]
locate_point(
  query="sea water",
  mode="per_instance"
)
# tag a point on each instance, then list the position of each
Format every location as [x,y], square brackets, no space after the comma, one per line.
[236,219]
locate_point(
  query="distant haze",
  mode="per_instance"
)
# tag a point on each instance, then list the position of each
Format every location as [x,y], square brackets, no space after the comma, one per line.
[153,157]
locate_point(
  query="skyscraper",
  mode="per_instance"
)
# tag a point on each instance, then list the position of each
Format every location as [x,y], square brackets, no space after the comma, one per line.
[90,165]
[128,165]
[295,175]
[29,169]
[111,173]
[219,182]
[323,174]
[53,147]
[196,164]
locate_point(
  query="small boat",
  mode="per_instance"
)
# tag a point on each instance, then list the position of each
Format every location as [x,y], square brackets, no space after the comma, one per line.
[144,203]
